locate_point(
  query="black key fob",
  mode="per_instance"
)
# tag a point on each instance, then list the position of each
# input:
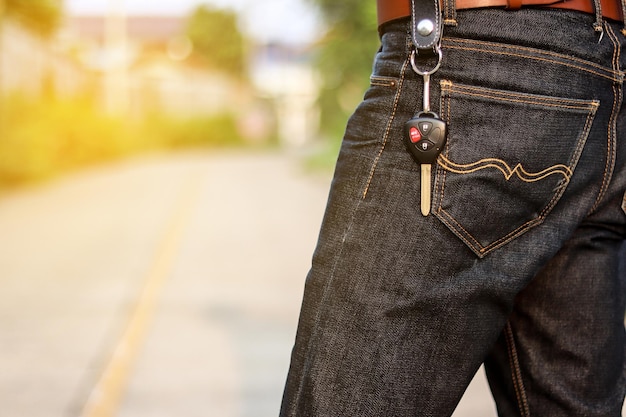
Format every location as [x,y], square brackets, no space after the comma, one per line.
[425,136]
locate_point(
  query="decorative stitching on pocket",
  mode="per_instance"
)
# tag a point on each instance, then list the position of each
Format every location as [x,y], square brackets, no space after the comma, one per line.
[506,170]
[466,166]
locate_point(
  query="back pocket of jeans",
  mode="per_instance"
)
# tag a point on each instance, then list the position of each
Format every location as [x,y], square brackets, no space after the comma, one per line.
[508,160]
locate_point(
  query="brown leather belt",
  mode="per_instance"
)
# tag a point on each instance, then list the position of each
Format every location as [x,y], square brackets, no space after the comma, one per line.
[395,9]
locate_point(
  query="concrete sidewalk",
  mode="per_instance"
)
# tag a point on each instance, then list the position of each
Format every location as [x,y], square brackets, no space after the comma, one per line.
[152,287]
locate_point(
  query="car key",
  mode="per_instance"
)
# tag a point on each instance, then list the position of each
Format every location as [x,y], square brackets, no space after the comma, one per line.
[425,137]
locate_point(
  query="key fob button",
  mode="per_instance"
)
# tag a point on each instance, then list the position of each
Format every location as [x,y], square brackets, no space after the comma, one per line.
[425,145]
[435,135]
[425,127]
[414,134]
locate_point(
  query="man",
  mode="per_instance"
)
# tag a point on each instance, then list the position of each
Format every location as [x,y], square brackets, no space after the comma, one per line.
[504,247]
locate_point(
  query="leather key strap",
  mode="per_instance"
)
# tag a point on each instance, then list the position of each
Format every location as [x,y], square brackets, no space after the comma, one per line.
[426,24]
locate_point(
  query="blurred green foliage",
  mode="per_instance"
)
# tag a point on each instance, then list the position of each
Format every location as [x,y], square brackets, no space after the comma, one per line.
[345,58]
[217,41]
[41,138]
[46,135]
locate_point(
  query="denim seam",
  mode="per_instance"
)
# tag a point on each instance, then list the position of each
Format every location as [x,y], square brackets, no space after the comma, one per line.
[514,97]
[392,117]
[612,125]
[579,64]
[573,162]
[528,51]
[447,87]
[516,373]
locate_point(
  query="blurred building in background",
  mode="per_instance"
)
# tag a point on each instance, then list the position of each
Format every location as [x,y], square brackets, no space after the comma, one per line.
[284,74]
[135,65]
[151,62]
[35,67]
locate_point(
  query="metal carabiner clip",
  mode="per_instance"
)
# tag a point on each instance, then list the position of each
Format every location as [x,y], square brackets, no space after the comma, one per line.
[426,72]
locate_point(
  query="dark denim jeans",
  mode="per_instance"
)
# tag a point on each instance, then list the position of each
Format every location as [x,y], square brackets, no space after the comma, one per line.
[517,267]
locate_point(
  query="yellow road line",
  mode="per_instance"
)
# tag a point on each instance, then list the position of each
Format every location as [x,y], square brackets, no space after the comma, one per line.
[105,398]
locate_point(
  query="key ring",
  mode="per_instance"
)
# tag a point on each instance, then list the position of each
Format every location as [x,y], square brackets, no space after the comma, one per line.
[432,71]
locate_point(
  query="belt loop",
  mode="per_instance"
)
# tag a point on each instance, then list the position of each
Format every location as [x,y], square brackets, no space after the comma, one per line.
[597,25]
[449,12]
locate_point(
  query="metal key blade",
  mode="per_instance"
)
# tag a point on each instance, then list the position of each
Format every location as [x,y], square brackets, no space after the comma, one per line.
[426,92]
[425,189]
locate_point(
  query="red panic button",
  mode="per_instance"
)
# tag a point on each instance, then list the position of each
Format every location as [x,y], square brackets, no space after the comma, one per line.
[415,134]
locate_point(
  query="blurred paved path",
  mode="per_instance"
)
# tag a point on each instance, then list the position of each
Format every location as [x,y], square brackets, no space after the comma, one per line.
[167,285]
